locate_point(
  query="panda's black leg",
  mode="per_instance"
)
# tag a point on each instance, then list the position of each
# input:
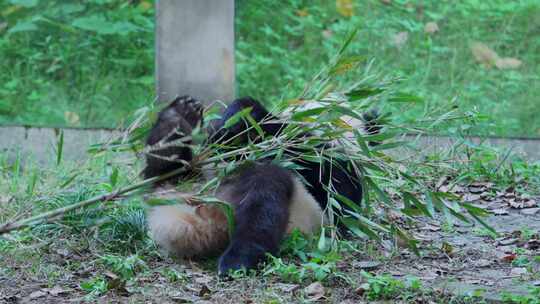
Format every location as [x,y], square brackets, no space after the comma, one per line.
[261,197]
[175,122]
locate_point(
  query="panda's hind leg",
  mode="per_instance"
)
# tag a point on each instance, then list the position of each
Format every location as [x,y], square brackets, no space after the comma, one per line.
[261,195]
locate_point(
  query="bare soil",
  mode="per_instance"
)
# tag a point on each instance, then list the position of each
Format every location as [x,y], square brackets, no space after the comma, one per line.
[460,260]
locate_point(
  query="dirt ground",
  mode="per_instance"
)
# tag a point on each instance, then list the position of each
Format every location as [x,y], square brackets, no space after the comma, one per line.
[460,260]
[464,261]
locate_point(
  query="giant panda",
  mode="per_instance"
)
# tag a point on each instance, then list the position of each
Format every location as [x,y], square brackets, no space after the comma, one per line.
[268,200]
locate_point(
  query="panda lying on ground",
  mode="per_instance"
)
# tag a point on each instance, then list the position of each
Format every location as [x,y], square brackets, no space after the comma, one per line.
[268,200]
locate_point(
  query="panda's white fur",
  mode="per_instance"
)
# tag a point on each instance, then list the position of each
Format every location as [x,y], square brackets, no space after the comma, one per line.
[185,230]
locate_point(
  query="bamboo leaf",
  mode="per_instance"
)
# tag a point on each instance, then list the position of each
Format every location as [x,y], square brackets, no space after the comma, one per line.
[227,210]
[255,125]
[388,146]
[411,242]
[237,117]
[299,116]
[473,210]
[439,202]
[354,206]
[155,202]
[411,199]
[381,194]
[363,93]
[321,244]
[346,64]
[113,178]
[380,137]
[405,98]
[60,148]
[429,203]
[346,111]
[348,41]
[358,228]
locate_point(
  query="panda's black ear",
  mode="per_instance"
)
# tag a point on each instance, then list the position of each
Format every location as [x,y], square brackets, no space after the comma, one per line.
[257,111]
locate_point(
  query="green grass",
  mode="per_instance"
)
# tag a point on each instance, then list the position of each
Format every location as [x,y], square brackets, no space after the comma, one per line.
[63,64]
[91,63]
[103,250]
[292,41]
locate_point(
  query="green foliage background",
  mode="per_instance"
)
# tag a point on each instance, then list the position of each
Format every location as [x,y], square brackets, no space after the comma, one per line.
[90,62]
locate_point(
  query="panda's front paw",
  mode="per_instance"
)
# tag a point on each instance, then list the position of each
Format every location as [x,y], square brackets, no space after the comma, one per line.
[189,108]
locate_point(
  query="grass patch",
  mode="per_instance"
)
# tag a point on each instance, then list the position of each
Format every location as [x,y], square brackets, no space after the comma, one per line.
[104,252]
[90,64]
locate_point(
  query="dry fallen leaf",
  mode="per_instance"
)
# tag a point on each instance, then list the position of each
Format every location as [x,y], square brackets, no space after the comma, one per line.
[518,271]
[530,211]
[37,294]
[327,34]
[521,204]
[477,188]
[447,248]
[533,245]
[483,54]
[499,211]
[430,227]
[488,57]
[471,197]
[205,291]
[442,181]
[507,241]
[386,1]
[362,289]
[203,280]
[482,263]
[302,13]
[56,290]
[431,28]
[366,265]
[287,288]
[145,5]
[507,63]
[314,291]
[509,257]
[72,118]
[345,7]
[400,39]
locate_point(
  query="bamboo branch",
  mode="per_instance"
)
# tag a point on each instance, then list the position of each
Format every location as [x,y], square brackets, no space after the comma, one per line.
[60,212]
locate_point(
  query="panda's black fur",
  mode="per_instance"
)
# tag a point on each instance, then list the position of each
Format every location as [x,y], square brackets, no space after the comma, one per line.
[268,199]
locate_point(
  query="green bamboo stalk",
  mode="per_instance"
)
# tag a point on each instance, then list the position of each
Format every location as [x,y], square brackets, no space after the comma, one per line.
[60,212]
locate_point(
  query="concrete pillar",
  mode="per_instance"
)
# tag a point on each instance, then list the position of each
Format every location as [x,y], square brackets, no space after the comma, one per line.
[195,49]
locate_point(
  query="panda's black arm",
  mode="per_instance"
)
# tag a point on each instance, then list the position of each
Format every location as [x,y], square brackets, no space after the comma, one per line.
[165,148]
[337,174]
[261,195]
